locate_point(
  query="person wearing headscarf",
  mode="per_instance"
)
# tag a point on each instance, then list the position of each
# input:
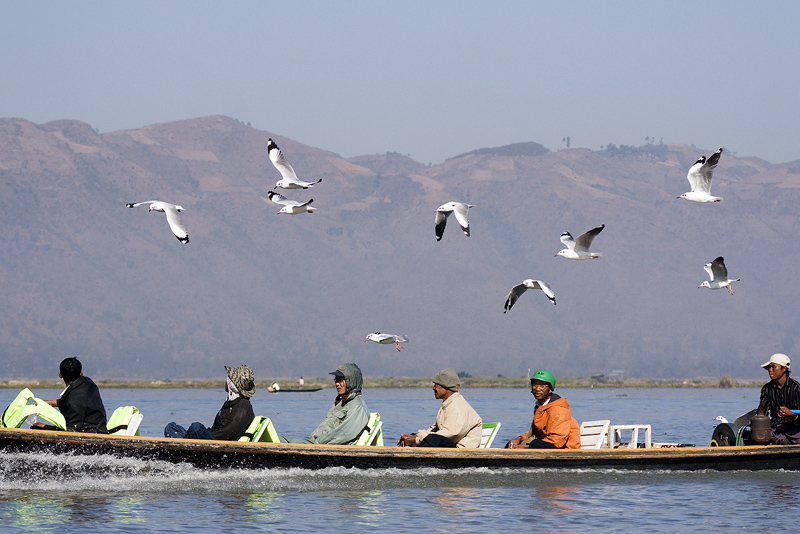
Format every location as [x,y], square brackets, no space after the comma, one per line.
[235,415]
[348,416]
[457,423]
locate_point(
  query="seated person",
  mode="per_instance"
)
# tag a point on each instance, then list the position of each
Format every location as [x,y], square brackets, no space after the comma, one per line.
[779,397]
[348,416]
[553,426]
[233,418]
[457,423]
[80,402]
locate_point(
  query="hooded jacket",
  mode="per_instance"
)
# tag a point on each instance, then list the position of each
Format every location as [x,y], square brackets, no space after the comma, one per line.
[554,424]
[349,414]
[82,407]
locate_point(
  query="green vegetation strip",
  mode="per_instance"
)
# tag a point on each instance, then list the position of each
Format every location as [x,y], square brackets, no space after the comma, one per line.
[412,382]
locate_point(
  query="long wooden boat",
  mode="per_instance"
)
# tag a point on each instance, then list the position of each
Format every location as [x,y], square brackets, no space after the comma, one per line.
[224,454]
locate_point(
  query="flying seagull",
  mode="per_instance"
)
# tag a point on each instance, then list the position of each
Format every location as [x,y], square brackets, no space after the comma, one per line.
[173,217]
[387,339]
[444,211]
[719,276]
[519,289]
[578,249]
[700,179]
[291,207]
[289,178]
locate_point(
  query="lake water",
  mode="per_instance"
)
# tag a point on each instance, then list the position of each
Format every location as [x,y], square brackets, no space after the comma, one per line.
[102,494]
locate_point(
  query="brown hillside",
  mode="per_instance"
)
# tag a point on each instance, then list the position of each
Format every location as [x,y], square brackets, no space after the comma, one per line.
[295,295]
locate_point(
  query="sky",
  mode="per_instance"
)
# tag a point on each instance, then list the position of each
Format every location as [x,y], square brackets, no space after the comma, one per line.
[431,80]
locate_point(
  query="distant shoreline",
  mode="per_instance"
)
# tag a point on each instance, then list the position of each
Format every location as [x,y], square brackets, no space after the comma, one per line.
[409,382]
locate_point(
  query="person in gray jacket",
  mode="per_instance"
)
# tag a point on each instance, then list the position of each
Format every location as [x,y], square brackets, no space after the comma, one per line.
[349,414]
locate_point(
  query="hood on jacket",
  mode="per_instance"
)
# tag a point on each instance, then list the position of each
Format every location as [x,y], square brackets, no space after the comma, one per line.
[352,379]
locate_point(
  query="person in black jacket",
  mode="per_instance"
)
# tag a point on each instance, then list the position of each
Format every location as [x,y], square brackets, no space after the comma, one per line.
[233,418]
[80,402]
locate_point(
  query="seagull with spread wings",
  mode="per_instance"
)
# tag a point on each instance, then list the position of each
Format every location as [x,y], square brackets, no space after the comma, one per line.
[388,339]
[700,179]
[173,217]
[292,207]
[288,179]
[578,249]
[444,211]
[519,289]
[719,276]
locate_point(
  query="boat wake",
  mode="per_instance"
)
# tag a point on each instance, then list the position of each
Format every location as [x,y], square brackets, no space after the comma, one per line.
[54,472]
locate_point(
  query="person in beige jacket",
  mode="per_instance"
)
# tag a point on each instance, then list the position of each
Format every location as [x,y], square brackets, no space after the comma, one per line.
[457,423]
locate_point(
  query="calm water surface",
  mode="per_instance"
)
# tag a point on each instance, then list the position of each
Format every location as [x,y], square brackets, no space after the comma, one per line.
[41,493]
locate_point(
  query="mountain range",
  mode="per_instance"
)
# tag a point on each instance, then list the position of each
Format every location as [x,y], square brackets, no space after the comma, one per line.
[294,295]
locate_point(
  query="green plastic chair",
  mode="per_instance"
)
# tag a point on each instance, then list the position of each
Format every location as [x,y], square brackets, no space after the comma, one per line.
[261,430]
[372,435]
[20,408]
[124,421]
[488,435]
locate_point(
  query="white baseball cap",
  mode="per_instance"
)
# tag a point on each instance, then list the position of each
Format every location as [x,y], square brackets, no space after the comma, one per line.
[780,359]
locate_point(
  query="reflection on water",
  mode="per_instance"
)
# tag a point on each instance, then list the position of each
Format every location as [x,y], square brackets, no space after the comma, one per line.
[362,505]
[458,501]
[262,506]
[553,500]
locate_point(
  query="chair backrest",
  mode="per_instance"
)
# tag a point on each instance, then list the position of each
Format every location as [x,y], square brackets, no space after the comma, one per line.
[133,426]
[19,410]
[372,435]
[594,434]
[124,421]
[488,434]
[261,430]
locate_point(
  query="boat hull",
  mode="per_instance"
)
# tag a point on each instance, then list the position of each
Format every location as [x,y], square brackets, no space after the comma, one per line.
[232,454]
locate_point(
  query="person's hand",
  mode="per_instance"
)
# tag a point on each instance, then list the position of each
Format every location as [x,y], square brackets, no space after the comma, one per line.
[407,440]
[783,411]
[513,444]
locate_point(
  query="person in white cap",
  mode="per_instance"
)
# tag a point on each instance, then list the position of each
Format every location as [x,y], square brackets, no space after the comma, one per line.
[779,397]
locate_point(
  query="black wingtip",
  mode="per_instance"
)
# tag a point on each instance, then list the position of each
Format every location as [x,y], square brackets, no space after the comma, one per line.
[129,204]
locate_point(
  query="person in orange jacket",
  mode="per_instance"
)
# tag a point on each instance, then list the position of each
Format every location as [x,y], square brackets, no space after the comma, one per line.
[553,426]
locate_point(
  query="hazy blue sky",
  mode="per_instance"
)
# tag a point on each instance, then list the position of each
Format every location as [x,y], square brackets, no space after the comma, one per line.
[428,79]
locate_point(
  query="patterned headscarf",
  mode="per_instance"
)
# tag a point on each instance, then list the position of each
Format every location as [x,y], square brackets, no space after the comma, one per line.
[242,380]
